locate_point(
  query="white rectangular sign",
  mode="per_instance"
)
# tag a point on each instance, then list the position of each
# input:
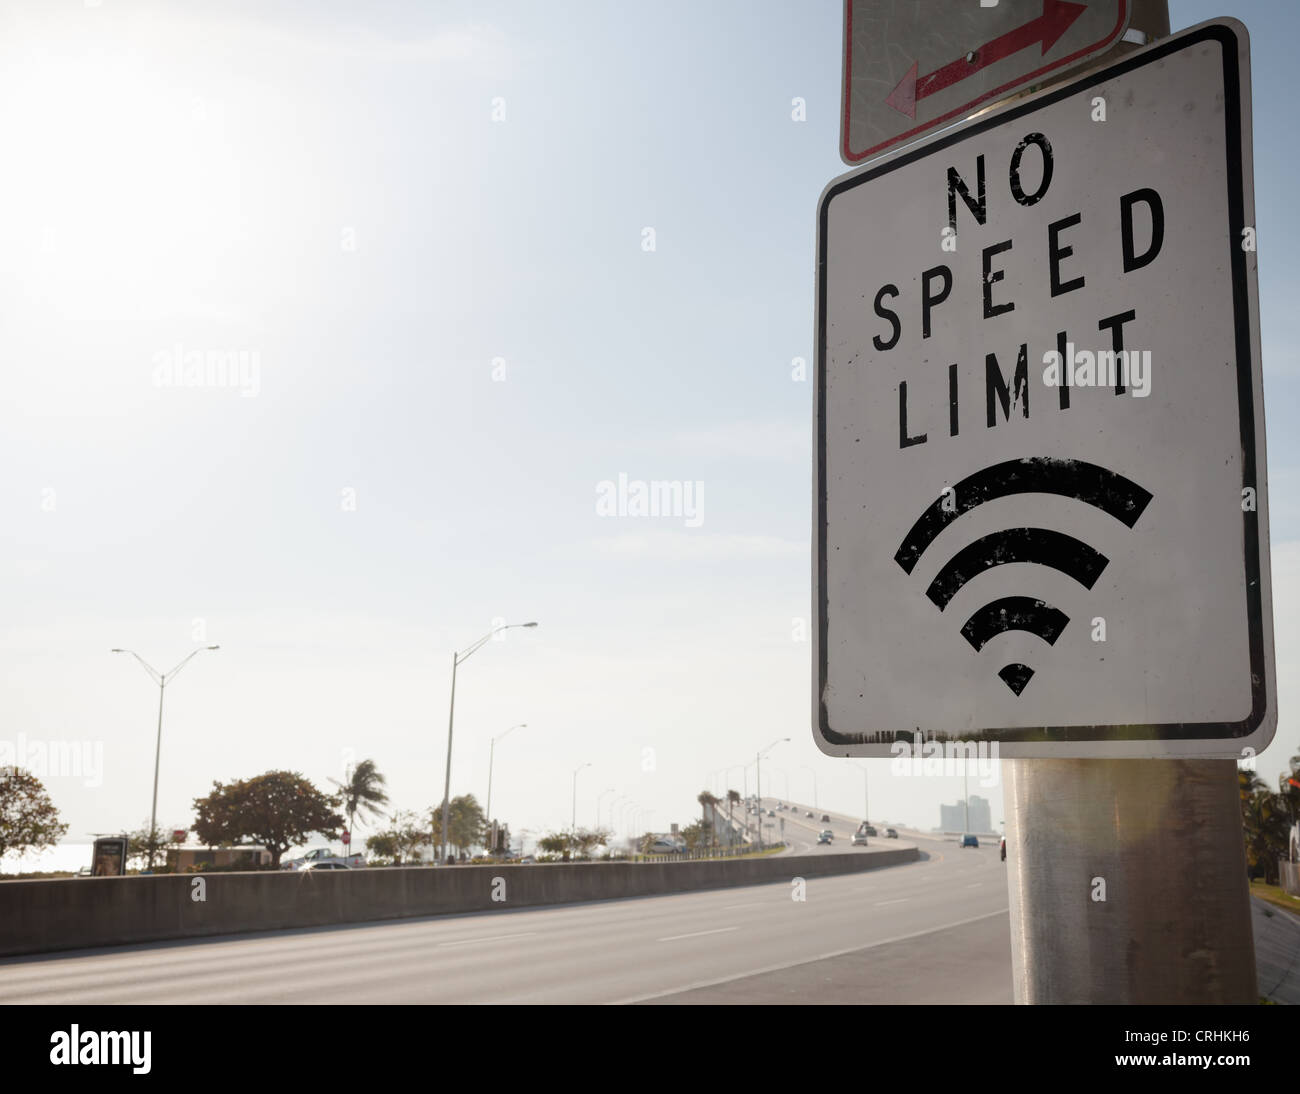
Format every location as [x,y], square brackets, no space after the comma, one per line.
[1040,508]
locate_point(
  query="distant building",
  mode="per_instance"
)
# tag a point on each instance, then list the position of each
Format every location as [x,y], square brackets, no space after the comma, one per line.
[952,818]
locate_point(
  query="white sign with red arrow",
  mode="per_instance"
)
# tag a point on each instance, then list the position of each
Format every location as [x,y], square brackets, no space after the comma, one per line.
[911,67]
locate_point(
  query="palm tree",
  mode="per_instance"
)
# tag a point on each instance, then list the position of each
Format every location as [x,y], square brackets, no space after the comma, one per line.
[733,798]
[362,791]
[1264,824]
[707,801]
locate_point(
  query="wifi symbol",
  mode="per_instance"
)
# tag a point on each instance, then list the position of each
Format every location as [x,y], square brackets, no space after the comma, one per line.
[1105,490]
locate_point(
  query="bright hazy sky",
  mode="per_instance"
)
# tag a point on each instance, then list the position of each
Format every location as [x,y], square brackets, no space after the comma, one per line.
[323,185]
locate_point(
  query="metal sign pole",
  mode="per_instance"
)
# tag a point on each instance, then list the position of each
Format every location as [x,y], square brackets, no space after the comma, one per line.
[1127,881]
[1137,866]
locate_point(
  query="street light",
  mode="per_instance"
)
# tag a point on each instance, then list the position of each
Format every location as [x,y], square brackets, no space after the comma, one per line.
[456,659]
[491,755]
[573,822]
[599,800]
[629,818]
[866,796]
[616,809]
[814,775]
[160,678]
[758,783]
[642,815]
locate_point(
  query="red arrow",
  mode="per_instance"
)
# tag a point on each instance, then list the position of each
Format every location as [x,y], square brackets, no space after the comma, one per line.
[1047,28]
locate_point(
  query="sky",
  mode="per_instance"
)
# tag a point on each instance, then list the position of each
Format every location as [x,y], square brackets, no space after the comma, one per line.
[420,233]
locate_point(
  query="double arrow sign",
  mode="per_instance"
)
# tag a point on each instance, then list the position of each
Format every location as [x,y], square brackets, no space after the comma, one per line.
[1047,28]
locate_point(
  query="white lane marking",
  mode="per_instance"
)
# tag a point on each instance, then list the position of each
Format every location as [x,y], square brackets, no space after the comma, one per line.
[487,938]
[696,934]
[807,960]
[750,904]
[882,903]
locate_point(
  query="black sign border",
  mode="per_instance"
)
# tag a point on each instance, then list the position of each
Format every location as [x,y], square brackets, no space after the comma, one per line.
[1229,41]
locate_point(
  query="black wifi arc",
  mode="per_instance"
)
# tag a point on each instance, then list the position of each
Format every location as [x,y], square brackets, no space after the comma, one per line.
[1097,486]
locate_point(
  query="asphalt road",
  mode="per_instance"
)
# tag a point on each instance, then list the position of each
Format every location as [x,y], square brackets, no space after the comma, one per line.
[932,931]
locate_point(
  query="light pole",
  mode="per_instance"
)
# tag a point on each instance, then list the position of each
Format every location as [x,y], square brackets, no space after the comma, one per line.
[625,819]
[456,659]
[643,816]
[813,773]
[161,679]
[616,810]
[758,783]
[628,820]
[599,800]
[573,823]
[491,755]
[866,800]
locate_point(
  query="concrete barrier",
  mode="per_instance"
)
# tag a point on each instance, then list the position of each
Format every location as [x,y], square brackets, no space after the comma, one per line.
[71,913]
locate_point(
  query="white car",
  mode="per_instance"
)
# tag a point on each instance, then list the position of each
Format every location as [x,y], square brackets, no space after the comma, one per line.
[322,855]
[859,838]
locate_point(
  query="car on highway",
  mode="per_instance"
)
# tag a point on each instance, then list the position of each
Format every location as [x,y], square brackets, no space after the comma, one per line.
[826,818]
[891,833]
[809,813]
[869,829]
[859,838]
[770,813]
[320,855]
[324,864]
[970,841]
[825,836]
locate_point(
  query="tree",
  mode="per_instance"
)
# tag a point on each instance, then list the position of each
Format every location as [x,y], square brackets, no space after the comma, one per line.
[586,840]
[362,792]
[733,798]
[1288,785]
[277,810]
[466,823]
[401,840]
[411,835]
[554,843]
[696,836]
[708,801]
[142,846]
[28,819]
[384,845]
[1264,817]
[578,843]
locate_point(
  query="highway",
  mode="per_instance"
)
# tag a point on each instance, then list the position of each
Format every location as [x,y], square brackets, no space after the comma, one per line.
[932,931]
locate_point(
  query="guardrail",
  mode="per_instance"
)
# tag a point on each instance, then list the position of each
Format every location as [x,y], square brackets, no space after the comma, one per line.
[62,914]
